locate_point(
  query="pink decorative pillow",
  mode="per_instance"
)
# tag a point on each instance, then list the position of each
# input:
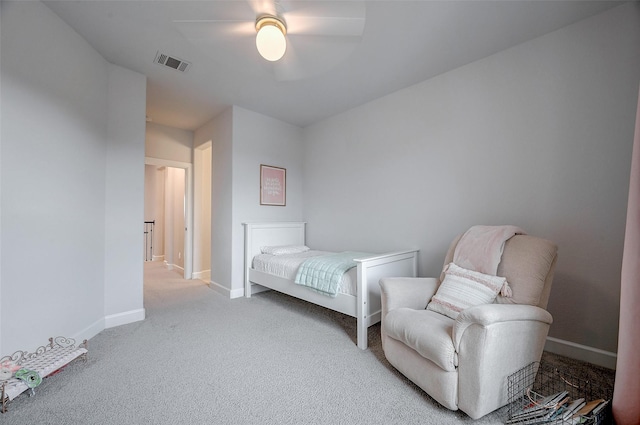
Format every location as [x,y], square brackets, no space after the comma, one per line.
[462,288]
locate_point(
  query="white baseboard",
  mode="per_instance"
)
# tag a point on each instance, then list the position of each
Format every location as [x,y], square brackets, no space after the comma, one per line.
[90,331]
[157,258]
[124,318]
[108,322]
[236,293]
[203,275]
[229,293]
[581,352]
[219,288]
[173,267]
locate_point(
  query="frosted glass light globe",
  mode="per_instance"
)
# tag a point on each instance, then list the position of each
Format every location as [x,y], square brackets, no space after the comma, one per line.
[271,42]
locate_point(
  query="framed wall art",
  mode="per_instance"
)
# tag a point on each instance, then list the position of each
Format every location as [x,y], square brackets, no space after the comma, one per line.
[273,185]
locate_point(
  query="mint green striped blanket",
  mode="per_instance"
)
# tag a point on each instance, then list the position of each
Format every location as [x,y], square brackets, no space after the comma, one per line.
[324,273]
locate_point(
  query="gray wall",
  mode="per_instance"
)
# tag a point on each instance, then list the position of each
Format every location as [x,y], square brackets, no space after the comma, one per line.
[241,141]
[538,136]
[124,206]
[62,140]
[173,144]
[220,132]
[258,139]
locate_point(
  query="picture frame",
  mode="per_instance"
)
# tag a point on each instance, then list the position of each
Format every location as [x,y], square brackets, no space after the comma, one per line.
[273,185]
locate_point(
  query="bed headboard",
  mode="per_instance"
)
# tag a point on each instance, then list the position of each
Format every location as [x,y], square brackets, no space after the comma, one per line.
[257,235]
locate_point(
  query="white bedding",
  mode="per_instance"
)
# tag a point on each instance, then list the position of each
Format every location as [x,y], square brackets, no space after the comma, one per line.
[286,266]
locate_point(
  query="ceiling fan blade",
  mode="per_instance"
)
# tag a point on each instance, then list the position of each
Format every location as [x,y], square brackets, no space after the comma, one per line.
[264,7]
[202,29]
[327,26]
[337,18]
[308,56]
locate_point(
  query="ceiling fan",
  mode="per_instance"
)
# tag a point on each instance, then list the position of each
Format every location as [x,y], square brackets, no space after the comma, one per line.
[310,36]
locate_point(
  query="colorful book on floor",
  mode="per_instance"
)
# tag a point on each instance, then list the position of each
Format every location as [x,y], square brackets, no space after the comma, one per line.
[589,411]
[573,407]
[541,411]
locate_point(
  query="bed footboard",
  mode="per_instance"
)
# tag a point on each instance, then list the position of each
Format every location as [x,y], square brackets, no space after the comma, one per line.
[370,271]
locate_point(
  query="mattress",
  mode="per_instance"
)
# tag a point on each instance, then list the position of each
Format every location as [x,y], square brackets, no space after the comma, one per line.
[286,266]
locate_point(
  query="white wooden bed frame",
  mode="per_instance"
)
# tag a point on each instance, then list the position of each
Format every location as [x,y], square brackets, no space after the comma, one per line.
[365,307]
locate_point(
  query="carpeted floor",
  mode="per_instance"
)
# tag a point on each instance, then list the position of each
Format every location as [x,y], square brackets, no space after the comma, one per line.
[200,358]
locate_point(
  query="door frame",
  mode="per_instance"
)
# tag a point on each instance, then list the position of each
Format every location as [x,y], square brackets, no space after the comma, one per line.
[188,210]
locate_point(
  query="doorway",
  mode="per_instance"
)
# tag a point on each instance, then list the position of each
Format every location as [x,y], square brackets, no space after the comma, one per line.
[168,201]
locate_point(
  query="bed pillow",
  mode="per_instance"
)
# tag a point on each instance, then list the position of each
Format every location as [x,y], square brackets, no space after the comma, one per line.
[462,288]
[284,249]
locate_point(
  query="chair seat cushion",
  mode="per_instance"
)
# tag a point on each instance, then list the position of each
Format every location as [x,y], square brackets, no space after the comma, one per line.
[427,332]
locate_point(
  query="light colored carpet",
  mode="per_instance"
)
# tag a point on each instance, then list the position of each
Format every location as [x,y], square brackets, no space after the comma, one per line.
[200,358]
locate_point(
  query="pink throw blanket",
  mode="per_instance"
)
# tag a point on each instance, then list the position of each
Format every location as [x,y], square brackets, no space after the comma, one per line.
[480,248]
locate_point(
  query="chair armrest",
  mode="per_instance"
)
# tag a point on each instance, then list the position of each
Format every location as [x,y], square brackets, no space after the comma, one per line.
[493,341]
[490,314]
[411,292]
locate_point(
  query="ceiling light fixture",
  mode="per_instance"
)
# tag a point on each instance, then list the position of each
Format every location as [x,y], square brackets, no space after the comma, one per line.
[270,40]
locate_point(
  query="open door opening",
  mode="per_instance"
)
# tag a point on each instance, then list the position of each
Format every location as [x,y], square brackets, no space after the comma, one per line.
[168,218]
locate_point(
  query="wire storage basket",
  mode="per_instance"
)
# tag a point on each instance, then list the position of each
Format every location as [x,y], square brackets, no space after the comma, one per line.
[542,394]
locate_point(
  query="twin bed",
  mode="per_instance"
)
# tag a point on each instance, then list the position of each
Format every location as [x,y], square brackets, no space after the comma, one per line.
[358,290]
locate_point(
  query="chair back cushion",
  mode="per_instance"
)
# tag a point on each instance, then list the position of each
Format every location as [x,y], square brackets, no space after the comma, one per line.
[528,263]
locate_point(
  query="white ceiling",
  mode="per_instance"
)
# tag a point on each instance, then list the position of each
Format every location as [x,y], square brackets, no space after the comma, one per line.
[402,43]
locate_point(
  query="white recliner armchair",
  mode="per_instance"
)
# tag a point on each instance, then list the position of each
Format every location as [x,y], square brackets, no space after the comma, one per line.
[463,363]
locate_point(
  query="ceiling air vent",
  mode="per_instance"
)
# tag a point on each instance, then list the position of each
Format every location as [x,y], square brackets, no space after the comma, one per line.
[172,62]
